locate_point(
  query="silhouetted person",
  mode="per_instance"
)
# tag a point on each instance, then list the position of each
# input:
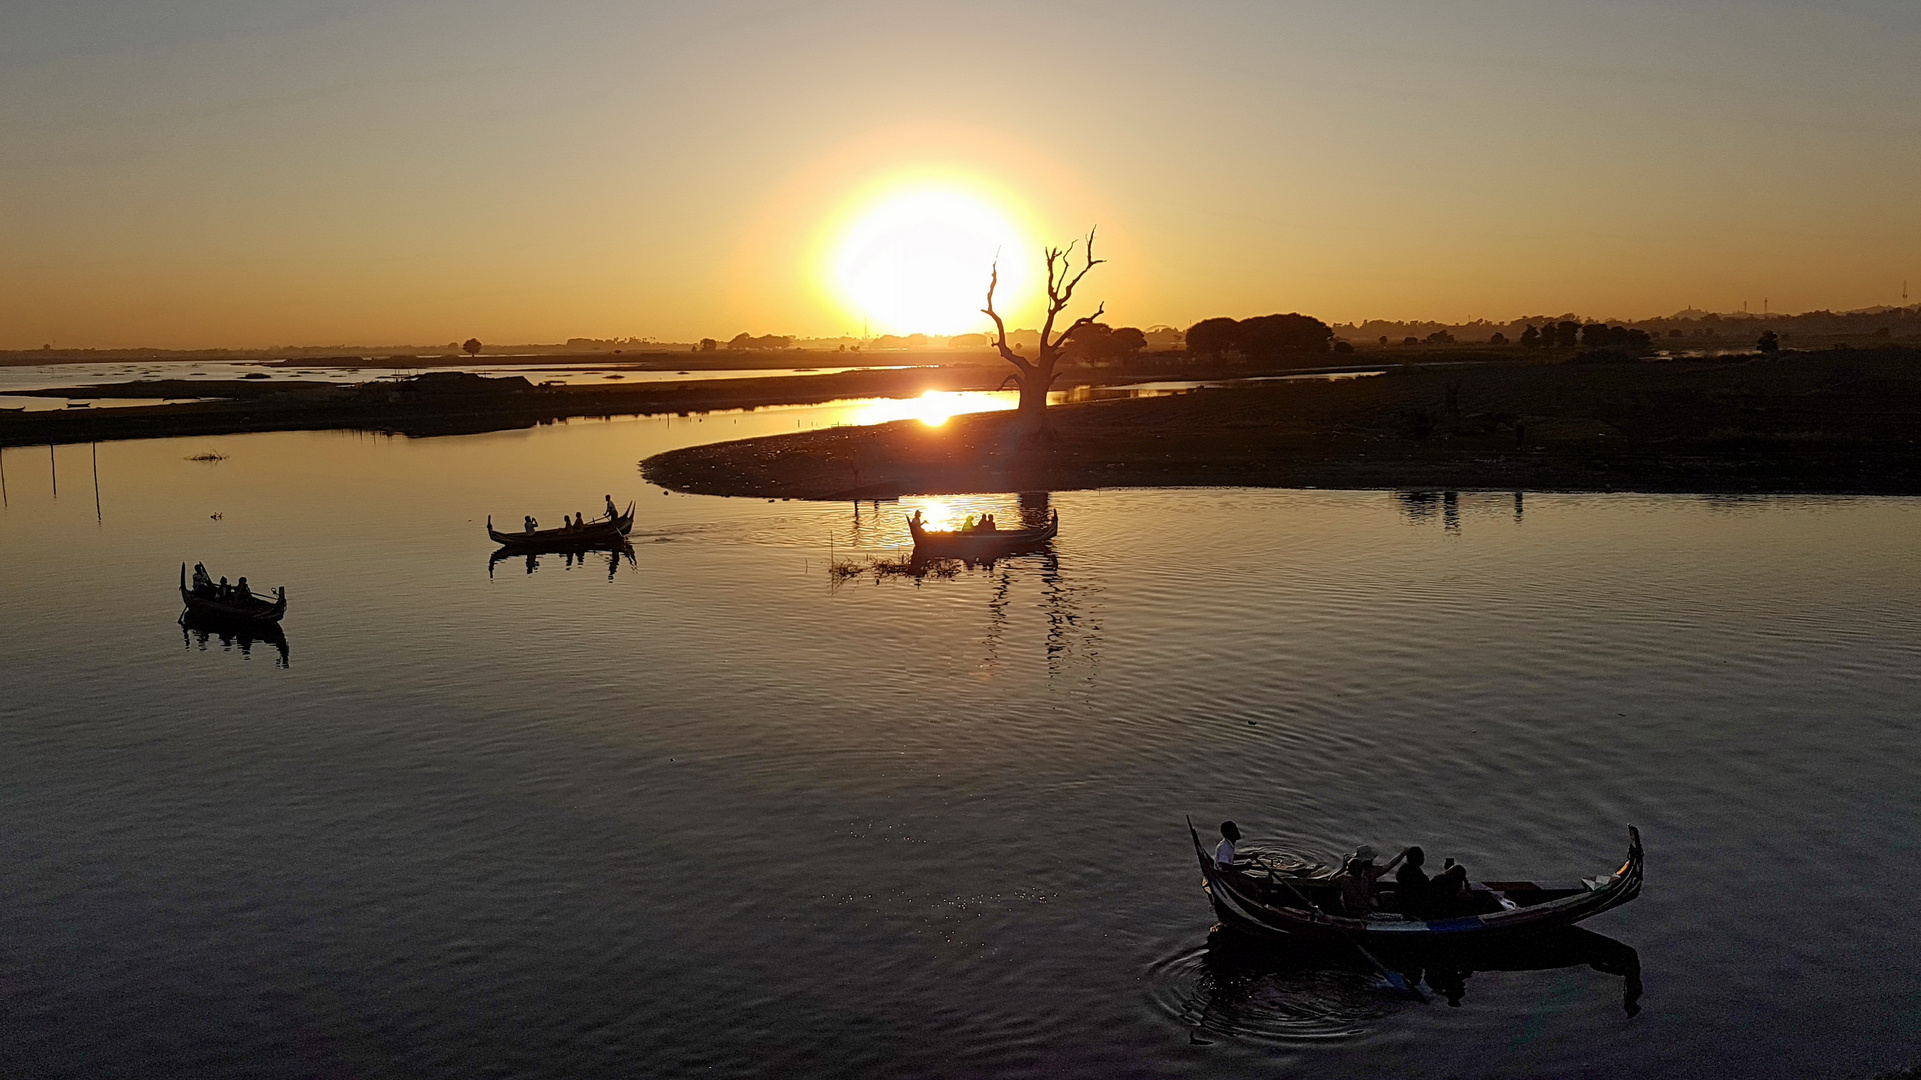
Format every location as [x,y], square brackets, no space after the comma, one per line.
[613,514]
[1224,851]
[1422,897]
[202,583]
[241,591]
[530,524]
[223,589]
[580,519]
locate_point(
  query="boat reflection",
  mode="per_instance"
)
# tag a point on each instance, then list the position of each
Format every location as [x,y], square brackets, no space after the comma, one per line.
[570,558]
[1071,632]
[1242,986]
[197,630]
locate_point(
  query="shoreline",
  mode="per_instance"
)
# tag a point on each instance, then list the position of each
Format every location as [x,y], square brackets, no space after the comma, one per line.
[1842,422]
[1838,422]
[449,403]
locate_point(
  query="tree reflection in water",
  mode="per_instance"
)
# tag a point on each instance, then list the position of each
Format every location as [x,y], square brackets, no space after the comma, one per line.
[1243,986]
[196,631]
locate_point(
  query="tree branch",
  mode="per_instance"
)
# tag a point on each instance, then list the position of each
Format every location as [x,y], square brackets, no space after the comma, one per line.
[1000,342]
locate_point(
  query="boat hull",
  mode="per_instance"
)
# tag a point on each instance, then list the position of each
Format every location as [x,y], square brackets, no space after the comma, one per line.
[233,610]
[980,545]
[594,534]
[1249,904]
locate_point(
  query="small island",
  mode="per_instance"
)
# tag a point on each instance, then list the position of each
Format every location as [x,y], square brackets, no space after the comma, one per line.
[1838,421]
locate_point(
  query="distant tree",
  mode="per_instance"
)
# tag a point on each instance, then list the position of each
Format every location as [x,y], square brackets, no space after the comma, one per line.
[1264,337]
[472,345]
[1498,339]
[1769,343]
[1036,375]
[1383,339]
[1567,334]
[1343,347]
[1440,337]
[708,344]
[742,340]
[1212,337]
[1271,336]
[1410,341]
[1597,335]
[1531,337]
[1099,343]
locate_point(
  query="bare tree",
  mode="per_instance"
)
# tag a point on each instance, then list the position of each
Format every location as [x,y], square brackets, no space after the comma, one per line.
[1035,376]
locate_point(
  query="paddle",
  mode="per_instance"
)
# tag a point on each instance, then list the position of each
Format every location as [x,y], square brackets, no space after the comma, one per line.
[1394,978]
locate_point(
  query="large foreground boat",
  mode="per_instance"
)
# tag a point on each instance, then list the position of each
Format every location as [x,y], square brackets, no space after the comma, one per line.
[597,533]
[979,543]
[1268,900]
[232,608]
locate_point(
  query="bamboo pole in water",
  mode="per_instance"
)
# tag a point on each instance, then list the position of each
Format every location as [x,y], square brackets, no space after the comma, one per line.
[53,469]
[3,477]
[96,482]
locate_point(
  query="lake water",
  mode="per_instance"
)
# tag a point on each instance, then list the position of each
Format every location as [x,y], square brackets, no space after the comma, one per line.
[709,812]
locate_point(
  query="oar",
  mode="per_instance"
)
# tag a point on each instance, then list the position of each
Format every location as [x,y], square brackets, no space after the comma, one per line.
[1394,978]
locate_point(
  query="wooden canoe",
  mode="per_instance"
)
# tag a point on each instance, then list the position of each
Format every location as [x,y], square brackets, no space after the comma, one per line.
[233,609]
[597,533]
[981,543]
[1263,902]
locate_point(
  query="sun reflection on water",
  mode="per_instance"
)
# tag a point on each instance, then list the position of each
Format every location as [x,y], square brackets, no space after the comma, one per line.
[934,407]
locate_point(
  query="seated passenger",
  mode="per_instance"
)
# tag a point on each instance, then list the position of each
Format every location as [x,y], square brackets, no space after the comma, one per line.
[242,591]
[1356,880]
[202,582]
[531,524]
[1425,898]
[1224,851]
[222,592]
[987,524]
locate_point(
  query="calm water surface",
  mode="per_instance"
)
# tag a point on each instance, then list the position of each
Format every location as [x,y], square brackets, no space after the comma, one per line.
[707,812]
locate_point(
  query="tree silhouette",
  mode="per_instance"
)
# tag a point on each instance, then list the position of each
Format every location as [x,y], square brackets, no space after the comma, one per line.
[472,345]
[1036,375]
[1769,343]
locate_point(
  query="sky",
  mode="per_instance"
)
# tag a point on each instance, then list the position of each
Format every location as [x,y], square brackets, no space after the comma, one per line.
[251,173]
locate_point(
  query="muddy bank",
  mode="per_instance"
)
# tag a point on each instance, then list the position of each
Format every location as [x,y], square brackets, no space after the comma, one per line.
[1840,421]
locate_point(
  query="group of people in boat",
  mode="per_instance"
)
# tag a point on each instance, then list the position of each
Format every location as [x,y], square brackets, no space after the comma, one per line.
[1416,895]
[985,523]
[205,587]
[578,521]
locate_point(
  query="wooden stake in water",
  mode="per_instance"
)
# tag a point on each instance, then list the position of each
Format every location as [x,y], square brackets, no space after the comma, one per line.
[96,482]
[53,469]
[3,477]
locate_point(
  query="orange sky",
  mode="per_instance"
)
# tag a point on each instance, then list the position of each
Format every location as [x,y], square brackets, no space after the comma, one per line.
[237,173]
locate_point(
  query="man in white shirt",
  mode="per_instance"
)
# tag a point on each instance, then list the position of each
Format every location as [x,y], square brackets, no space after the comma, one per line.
[1224,853]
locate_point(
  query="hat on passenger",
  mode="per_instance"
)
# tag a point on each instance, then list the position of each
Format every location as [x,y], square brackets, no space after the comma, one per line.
[1364,853]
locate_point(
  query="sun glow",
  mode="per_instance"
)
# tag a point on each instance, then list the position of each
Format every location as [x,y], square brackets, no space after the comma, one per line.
[935,407]
[917,262]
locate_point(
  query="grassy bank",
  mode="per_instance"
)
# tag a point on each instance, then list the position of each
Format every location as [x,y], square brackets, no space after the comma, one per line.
[1838,421]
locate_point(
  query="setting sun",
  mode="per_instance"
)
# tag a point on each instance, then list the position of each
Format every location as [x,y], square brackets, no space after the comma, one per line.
[917,262]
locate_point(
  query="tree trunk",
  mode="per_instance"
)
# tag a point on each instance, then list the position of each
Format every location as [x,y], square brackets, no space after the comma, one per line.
[1033,402]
